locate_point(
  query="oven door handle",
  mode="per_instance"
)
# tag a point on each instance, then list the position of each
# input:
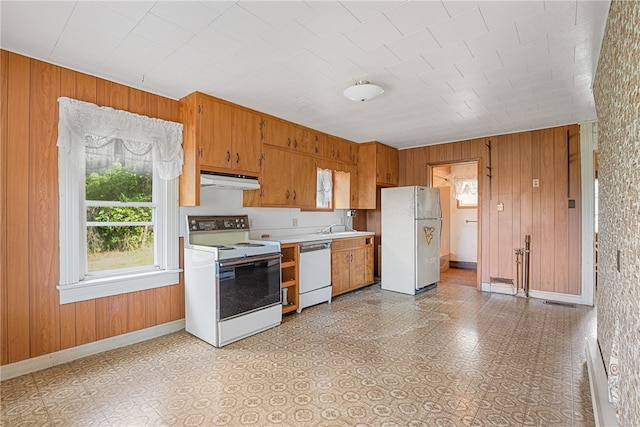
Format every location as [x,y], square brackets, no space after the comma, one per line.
[249,260]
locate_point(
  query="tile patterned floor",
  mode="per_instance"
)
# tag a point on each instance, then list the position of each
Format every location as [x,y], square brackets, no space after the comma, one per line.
[451,356]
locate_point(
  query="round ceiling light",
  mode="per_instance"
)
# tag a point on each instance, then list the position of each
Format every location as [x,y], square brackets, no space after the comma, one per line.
[362,91]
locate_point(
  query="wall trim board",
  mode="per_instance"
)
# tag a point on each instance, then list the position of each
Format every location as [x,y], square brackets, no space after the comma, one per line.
[38,363]
[588,145]
[603,411]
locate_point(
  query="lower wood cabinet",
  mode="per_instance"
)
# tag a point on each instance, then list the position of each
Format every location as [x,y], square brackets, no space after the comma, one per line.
[351,264]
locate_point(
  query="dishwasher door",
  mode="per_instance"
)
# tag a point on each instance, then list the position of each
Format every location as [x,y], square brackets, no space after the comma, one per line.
[314,273]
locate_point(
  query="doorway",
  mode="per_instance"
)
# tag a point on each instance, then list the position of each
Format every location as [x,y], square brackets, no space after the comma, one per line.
[458,185]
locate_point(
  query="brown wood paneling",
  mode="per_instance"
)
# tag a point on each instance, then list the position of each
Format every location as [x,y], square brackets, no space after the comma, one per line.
[102,318]
[135,311]
[67,325]
[117,319]
[504,181]
[150,318]
[4,88]
[33,321]
[535,261]
[17,170]
[85,321]
[86,88]
[516,176]
[163,305]
[494,215]
[43,214]
[547,211]
[526,189]
[142,103]
[561,207]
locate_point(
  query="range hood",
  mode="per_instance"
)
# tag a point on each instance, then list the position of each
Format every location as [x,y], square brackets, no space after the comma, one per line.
[230,181]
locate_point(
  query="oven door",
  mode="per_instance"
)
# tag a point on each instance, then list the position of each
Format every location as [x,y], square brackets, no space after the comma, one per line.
[247,284]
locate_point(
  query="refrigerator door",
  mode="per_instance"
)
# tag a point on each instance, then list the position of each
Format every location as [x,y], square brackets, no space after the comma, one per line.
[427,262]
[428,203]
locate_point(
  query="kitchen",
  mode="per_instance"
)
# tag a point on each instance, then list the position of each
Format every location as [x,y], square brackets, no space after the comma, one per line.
[40,326]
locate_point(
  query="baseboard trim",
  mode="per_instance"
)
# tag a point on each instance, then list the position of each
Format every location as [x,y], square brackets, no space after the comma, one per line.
[38,363]
[603,411]
[463,265]
[555,296]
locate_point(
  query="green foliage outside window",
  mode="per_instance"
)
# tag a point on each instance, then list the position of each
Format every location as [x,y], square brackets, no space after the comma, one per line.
[119,184]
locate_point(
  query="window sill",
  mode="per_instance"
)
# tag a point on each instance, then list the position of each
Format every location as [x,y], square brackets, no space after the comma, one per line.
[109,286]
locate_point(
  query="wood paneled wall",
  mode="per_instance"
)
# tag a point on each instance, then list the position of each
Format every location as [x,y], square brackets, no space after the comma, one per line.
[543,213]
[33,321]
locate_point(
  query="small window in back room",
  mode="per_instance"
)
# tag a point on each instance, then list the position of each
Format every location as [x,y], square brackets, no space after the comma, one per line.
[119,202]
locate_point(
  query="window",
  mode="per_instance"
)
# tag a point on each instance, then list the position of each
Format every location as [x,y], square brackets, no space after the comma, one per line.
[118,201]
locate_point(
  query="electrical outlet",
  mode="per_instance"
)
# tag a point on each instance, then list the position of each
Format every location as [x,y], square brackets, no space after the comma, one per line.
[500,207]
[294,222]
[536,183]
[250,223]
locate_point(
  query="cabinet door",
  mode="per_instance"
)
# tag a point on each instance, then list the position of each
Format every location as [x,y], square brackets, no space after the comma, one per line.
[357,268]
[340,262]
[387,164]
[303,181]
[279,133]
[276,177]
[247,140]
[214,133]
[311,142]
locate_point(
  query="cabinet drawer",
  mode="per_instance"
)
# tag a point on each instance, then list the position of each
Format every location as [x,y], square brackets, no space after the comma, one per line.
[345,244]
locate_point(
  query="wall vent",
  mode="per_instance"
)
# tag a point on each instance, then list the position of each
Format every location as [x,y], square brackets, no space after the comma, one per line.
[564,304]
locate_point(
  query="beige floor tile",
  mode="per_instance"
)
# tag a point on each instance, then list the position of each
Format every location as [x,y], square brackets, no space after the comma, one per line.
[452,356]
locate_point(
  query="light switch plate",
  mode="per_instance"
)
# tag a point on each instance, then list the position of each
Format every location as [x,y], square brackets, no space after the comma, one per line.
[500,207]
[536,183]
[294,222]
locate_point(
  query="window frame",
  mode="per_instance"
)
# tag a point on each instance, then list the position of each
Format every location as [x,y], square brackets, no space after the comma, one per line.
[74,284]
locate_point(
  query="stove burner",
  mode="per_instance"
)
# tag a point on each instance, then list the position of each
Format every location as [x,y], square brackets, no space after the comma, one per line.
[249,245]
[222,247]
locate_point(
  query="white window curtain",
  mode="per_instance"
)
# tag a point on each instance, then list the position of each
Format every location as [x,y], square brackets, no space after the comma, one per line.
[464,186]
[79,119]
[324,188]
[82,124]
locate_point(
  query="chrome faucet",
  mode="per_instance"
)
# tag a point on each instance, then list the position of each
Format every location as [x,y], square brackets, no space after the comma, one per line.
[328,229]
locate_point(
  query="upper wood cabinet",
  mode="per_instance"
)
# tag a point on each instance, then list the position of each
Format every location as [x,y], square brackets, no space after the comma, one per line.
[288,179]
[218,136]
[341,149]
[378,165]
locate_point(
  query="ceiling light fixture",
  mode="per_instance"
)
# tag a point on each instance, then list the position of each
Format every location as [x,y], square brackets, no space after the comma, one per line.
[362,91]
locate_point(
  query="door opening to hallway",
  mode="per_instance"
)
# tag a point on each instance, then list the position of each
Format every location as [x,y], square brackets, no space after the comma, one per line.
[458,184]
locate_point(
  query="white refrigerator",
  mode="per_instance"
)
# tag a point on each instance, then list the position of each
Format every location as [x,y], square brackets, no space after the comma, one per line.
[411,226]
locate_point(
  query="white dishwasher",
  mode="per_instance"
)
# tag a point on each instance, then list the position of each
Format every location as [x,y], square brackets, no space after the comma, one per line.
[314,273]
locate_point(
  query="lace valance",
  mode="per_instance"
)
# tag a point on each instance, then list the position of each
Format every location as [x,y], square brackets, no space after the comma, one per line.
[81,122]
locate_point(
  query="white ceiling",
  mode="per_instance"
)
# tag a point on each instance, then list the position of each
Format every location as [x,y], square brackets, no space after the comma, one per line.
[451,70]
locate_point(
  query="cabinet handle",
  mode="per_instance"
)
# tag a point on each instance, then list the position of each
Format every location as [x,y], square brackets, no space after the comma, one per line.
[295,143]
[294,194]
[288,142]
[228,156]
[288,194]
[237,158]
[351,259]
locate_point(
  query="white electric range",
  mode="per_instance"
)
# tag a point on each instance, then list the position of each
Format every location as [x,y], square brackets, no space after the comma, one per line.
[232,283]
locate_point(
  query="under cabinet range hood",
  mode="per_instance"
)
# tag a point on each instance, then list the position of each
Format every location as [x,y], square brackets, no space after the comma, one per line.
[229,181]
